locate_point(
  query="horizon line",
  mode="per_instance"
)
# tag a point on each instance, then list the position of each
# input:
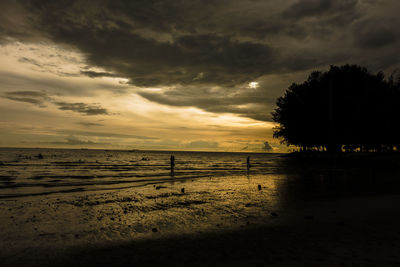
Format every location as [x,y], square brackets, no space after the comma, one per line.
[138,149]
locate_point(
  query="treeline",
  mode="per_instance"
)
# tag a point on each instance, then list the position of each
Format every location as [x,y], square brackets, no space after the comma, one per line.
[344,109]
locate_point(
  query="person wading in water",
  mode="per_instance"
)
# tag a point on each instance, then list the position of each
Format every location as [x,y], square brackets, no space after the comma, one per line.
[172,163]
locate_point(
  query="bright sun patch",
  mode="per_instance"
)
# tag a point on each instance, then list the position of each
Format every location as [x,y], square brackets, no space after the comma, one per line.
[253,85]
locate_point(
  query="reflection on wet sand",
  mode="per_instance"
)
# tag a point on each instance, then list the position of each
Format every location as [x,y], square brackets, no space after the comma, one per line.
[275,193]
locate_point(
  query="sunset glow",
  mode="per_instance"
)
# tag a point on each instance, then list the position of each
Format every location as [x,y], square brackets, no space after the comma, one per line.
[199,133]
[119,82]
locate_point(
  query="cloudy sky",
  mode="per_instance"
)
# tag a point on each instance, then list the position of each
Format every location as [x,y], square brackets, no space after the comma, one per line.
[174,74]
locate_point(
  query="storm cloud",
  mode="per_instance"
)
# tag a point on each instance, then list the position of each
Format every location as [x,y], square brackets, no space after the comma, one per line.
[206,52]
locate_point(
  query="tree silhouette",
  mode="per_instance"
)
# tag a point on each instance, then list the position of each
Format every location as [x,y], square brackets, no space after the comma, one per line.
[346,107]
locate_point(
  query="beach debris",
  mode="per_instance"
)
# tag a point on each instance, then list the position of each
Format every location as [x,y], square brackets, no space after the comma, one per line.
[154,230]
[40,156]
[145,159]
[182,190]
[159,187]
[308,217]
[274,214]
[259,187]
[127,199]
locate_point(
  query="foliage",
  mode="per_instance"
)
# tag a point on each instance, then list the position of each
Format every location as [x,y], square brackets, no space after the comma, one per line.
[346,107]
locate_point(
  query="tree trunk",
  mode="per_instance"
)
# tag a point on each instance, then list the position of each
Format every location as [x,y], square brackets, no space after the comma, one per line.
[334,148]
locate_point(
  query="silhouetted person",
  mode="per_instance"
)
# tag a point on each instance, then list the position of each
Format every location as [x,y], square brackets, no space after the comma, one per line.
[248,163]
[172,163]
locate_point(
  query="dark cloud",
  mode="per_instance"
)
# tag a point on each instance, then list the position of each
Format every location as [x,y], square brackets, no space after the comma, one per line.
[319,8]
[375,38]
[96,74]
[374,34]
[41,99]
[89,124]
[87,109]
[14,23]
[131,47]
[189,59]
[207,51]
[52,86]
[32,97]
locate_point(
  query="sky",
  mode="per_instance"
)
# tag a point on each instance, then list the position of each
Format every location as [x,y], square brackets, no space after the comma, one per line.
[174,74]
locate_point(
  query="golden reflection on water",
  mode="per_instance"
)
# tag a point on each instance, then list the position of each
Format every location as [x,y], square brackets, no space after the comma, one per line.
[182,206]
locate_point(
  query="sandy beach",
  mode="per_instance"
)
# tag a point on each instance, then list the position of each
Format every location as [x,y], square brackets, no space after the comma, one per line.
[213,221]
[370,239]
[112,208]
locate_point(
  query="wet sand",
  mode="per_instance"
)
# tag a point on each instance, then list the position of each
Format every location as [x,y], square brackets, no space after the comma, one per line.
[254,220]
[370,239]
[351,232]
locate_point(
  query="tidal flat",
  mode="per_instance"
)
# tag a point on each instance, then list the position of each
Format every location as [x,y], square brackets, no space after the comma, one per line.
[280,212]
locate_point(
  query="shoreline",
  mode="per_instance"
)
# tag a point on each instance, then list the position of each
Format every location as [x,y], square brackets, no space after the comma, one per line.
[340,155]
[288,213]
[361,232]
[139,150]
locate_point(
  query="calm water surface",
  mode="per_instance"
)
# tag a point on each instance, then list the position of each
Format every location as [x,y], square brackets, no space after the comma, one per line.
[23,172]
[44,171]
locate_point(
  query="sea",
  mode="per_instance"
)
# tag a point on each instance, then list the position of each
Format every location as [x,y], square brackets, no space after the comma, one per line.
[41,171]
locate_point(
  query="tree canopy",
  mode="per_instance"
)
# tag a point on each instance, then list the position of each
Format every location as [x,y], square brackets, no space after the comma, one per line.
[346,107]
